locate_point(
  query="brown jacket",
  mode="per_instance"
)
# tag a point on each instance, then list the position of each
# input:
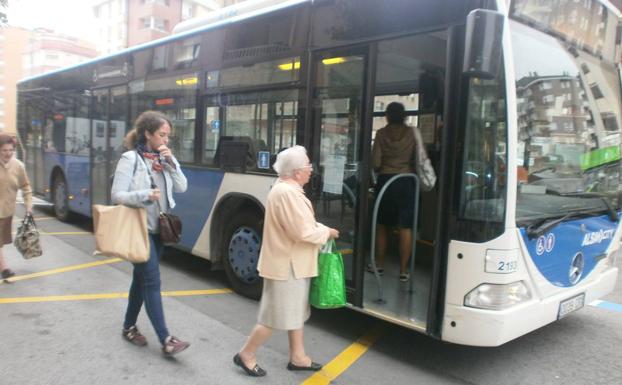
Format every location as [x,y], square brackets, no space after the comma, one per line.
[290,234]
[394,149]
[12,178]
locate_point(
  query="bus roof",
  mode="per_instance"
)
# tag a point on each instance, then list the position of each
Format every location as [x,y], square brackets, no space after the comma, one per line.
[233,17]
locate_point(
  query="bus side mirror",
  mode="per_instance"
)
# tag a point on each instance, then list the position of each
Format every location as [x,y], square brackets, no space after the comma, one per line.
[484,32]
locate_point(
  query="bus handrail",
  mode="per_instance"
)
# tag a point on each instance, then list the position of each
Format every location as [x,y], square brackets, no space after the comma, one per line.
[413,252]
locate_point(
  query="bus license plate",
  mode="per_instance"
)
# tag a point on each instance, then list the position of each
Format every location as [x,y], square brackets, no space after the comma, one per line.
[571,304]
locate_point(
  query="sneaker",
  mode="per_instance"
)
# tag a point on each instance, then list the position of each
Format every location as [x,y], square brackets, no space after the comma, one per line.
[133,335]
[370,269]
[7,273]
[404,277]
[174,345]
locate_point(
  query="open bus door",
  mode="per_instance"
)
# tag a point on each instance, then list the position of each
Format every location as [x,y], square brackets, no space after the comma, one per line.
[351,88]
[337,146]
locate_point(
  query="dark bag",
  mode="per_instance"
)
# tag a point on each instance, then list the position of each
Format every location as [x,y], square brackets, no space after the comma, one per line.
[170,224]
[27,238]
[170,228]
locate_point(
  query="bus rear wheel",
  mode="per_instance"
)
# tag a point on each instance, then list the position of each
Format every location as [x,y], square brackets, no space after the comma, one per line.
[241,252]
[60,197]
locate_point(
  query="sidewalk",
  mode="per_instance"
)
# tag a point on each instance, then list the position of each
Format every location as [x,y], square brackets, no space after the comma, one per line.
[35,201]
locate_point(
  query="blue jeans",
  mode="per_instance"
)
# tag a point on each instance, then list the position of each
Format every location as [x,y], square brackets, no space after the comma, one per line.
[146,288]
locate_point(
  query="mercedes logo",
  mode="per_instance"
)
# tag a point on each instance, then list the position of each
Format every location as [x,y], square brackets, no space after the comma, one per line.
[576,268]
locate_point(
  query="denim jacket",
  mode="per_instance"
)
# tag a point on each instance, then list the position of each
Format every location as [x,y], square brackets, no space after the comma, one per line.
[133,188]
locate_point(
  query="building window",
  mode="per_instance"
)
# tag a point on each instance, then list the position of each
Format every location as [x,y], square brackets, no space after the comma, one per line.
[610,121]
[145,22]
[160,24]
[596,91]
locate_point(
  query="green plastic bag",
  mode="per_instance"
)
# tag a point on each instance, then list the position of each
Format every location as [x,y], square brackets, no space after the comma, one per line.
[328,289]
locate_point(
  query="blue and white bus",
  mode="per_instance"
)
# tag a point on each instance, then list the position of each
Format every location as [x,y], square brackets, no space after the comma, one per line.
[519,106]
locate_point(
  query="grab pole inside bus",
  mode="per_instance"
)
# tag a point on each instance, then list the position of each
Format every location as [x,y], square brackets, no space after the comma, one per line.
[411,265]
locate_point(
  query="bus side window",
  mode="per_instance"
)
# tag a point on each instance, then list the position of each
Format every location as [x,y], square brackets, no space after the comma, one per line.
[235,153]
[211,133]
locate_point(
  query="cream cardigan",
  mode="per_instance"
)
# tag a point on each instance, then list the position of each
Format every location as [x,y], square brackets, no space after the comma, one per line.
[12,178]
[290,234]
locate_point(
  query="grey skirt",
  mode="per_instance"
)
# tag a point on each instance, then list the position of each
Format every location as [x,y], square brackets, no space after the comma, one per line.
[285,304]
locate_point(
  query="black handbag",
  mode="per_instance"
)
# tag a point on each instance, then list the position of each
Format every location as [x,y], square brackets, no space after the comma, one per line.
[170,224]
[170,228]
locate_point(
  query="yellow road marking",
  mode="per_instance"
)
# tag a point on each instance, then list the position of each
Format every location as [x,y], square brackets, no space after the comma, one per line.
[86,297]
[62,270]
[344,360]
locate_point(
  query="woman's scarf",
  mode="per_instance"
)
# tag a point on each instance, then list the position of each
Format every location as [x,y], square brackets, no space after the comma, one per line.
[156,165]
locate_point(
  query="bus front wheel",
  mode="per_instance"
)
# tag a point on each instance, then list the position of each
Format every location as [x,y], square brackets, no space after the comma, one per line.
[241,252]
[60,197]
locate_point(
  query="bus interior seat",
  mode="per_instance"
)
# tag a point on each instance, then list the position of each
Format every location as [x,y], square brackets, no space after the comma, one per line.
[235,153]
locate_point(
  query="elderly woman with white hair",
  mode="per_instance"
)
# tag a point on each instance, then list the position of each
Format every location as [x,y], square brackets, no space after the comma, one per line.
[287,262]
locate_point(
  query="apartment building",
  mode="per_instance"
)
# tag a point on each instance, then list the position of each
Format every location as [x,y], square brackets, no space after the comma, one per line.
[125,23]
[12,41]
[47,51]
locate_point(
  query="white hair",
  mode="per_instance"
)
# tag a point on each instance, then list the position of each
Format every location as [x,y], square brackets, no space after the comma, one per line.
[289,160]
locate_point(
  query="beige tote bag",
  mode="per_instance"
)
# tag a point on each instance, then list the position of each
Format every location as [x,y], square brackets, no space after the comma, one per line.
[121,231]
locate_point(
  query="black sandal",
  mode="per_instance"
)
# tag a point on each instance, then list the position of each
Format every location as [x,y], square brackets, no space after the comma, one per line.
[256,371]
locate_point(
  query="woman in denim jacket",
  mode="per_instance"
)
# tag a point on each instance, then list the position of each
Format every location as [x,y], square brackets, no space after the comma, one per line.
[132,186]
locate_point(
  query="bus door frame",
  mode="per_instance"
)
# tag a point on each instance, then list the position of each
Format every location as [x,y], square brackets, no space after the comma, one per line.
[108,153]
[453,116]
[354,288]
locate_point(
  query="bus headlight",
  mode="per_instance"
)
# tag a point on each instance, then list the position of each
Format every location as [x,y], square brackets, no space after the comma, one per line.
[497,297]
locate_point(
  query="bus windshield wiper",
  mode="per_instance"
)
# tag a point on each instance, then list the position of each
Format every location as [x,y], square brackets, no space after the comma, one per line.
[546,224]
[542,226]
[611,212]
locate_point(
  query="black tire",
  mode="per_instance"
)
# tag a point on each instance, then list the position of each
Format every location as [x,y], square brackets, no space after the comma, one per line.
[240,252]
[60,197]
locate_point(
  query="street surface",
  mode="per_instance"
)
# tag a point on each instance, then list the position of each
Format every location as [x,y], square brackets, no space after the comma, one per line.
[60,322]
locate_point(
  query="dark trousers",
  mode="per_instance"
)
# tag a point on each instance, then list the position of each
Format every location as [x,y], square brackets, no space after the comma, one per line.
[146,288]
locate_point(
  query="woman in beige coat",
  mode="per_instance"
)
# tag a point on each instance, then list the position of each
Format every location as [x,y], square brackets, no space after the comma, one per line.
[288,260]
[12,178]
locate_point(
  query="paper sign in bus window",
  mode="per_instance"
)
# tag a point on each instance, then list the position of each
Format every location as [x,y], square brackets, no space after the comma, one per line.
[334,166]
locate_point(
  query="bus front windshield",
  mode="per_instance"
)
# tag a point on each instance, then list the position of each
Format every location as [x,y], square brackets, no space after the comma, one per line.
[568,108]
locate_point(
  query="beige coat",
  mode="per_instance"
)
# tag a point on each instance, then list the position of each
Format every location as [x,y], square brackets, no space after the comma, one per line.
[12,178]
[290,234]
